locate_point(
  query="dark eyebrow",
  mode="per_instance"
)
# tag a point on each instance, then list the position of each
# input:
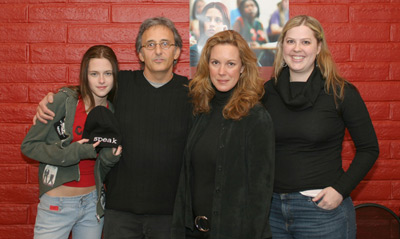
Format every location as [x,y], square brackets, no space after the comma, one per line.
[160,40]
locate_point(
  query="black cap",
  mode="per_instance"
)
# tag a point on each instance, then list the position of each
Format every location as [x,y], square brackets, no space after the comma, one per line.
[101,125]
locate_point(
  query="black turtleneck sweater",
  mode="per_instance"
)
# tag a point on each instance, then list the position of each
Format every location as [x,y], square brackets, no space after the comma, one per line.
[204,157]
[309,132]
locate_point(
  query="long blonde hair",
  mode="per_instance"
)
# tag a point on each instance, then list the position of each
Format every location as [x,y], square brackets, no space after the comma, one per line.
[333,81]
[249,88]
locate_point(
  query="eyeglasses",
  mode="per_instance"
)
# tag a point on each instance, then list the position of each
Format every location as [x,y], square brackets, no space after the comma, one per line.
[163,44]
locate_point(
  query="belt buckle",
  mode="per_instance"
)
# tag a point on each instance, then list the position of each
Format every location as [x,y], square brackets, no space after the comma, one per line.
[201,223]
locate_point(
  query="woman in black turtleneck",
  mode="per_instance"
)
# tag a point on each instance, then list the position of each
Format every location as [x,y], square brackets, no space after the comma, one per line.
[311,106]
[227,176]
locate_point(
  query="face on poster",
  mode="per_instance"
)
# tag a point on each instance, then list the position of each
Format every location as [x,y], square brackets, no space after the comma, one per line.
[258,21]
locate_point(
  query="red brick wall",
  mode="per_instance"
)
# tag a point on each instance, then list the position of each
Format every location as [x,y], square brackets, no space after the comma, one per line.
[41,44]
[42,41]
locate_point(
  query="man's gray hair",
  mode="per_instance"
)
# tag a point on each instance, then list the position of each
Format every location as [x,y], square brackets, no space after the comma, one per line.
[157,21]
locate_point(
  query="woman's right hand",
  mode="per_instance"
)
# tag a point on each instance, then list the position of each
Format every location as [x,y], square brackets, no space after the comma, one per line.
[43,114]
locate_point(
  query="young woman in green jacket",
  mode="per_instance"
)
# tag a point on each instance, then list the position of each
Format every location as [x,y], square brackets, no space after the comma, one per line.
[71,172]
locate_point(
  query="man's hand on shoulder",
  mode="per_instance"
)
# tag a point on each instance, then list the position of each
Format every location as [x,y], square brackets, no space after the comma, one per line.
[43,114]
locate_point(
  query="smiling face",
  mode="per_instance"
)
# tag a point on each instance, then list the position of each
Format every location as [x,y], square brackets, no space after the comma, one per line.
[158,60]
[225,66]
[213,22]
[300,48]
[100,78]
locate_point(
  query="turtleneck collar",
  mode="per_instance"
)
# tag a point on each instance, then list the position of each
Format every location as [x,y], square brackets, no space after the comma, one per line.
[308,95]
[221,98]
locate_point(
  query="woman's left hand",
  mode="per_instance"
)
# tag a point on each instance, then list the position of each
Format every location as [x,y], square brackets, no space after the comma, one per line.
[331,199]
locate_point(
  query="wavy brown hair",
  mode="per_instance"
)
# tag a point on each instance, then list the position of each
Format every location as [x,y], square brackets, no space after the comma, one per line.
[248,90]
[333,81]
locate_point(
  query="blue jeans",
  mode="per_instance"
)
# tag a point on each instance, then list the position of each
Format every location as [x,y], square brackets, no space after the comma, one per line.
[296,216]
[57,216]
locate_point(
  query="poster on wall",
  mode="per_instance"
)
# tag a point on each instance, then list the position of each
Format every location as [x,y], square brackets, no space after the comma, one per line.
[258,21]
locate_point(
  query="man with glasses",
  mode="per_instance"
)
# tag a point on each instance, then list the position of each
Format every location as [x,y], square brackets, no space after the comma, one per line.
[153,112]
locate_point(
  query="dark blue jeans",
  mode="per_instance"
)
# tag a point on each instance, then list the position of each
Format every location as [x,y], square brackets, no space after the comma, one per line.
[294,215]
